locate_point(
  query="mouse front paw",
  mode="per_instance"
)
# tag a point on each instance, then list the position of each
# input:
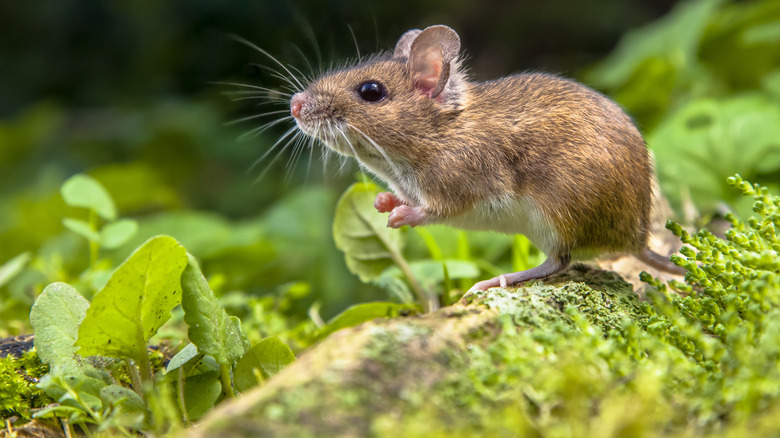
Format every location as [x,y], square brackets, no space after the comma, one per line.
[385,202]
[406,215]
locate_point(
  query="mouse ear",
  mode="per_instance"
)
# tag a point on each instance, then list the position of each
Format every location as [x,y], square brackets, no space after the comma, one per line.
[404,44]
[430,56]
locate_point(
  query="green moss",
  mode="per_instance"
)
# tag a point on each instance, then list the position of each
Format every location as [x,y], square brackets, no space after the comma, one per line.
[18,393]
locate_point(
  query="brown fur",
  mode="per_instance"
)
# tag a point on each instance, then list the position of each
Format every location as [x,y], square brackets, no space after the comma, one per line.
[570,149]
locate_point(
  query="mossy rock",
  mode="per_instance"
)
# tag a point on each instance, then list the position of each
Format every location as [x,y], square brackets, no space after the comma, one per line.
[423,373]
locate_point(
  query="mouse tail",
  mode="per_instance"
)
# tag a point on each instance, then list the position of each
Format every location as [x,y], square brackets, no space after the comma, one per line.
[657,261]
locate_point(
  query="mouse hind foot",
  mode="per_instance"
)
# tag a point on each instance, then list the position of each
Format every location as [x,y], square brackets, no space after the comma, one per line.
[550,266]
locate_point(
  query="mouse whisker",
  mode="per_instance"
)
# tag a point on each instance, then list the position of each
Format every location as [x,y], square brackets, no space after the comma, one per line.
[357,48]
[279,152]
[306,61]
[257,116]
[272,58]
[393,166]
[253,87]
[260,129]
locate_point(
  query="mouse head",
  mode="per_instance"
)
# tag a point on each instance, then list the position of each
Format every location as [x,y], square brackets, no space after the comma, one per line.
[378,110]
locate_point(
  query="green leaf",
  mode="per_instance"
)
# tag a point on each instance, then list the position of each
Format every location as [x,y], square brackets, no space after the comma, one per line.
[209,326]
[135,302]
[359,313]
[182,357]
[362,233]
[116,234]
[84,191]
[269,356]
[55,318]
[81,228]
[129,410]
[201,393]
[13,267]
[75,385]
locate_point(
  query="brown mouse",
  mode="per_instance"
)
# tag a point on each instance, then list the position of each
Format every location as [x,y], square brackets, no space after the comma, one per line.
[534,154]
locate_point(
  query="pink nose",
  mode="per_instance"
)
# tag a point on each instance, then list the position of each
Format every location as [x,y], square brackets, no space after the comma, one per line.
[296,104]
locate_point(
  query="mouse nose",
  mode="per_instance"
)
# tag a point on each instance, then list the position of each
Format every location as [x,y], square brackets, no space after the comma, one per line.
[296,104]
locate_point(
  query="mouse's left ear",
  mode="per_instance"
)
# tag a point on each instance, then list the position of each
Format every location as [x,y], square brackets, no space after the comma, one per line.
[431,54]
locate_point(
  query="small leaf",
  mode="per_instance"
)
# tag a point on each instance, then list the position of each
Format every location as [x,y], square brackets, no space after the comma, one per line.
[182,357]
[55,317]
[116,234]
[135,302]
[209,326]
[129,410]
[13,267]
[359,313]
[81,228]
[362,233]
[269,356]
[84,191]
[201,393]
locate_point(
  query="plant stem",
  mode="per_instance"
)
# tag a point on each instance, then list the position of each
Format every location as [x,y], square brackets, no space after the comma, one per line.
[135,378]
[428,302]
[145,367]
[182,404]
[227,385]
[94,247]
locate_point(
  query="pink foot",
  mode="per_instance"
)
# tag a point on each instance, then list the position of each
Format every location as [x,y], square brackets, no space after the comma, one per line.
[406,215]
[385,202]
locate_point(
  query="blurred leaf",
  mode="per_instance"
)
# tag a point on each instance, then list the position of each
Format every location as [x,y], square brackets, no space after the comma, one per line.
[360,313]
[182,357]
[674,37]
[708,140]
[117,233]
[81,228]
[84,191]
[135,302]
[362,234]
[55,318]
[129,410]
[201,392]
[13,267]
[269,356]
[65,380]
[209,326]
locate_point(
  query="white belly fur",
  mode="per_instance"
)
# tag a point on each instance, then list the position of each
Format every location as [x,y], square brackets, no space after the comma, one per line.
[511,215]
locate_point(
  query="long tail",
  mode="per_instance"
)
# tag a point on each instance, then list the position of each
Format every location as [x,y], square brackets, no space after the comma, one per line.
[659,262]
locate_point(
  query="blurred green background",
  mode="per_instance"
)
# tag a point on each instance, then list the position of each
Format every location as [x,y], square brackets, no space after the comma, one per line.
[125,91]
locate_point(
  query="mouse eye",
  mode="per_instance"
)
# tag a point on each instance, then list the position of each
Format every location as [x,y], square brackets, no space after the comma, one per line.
[372,91]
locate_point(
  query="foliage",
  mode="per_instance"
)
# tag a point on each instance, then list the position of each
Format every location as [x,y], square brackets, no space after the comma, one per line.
[702,82]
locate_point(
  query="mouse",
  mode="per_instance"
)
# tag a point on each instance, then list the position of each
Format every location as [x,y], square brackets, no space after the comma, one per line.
[532,153]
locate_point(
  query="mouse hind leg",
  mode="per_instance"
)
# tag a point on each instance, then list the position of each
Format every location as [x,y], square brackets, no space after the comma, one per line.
[552,265]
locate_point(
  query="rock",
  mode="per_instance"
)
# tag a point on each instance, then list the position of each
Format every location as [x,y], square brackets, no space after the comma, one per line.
[376,375]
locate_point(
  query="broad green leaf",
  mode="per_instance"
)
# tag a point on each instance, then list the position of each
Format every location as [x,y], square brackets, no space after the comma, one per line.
[706,141]
[116,234]
[359,313]
[674,37]
[135,302]
[209,326]
[55,318]
[84,191]
[269,356]
[362,233]
[13,267]
[182,357]
[81,228]
[129,410]
[201,393]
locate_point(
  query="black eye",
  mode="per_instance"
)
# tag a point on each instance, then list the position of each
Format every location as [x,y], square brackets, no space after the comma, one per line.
[372,91]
